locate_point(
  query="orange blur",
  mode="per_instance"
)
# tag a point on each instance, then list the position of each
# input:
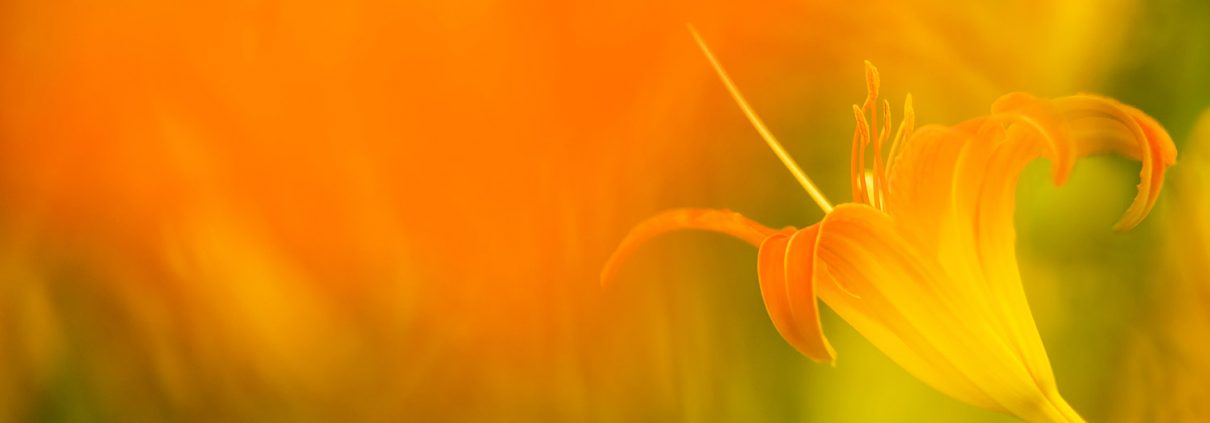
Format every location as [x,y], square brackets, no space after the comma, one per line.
[312,204]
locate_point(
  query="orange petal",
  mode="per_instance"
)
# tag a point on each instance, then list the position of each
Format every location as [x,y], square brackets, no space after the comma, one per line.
[800,292]
[926,179]
[1083,125]
[919,181]
[772,270]
[722,221]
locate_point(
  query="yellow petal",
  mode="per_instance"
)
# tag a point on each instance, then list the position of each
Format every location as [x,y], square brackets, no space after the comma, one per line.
[981,222]
[905,303]
[862,249]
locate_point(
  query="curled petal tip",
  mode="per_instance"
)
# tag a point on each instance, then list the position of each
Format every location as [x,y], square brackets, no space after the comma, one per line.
[1157,152]
[1086,124]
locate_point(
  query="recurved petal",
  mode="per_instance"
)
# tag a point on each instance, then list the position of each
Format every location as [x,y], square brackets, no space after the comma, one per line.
[721,221]
[925,178]
[805,335]
[1082,125]
[785,266]
[800,291]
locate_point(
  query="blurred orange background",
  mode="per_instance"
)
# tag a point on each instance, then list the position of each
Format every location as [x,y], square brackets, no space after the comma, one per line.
[370,210]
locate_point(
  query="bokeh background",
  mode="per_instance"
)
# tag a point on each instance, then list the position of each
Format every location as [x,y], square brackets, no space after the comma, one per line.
[288,210]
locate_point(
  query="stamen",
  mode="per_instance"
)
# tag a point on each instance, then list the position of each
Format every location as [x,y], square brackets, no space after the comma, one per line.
[872,83]
[872,195]
[861,136]
[879,170]
[865,132]
[855,165]
[781,153]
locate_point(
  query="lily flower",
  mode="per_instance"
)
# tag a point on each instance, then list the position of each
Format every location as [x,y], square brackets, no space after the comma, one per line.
[921,262]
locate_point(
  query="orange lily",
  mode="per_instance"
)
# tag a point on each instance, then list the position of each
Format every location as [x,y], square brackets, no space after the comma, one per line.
[922,261]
